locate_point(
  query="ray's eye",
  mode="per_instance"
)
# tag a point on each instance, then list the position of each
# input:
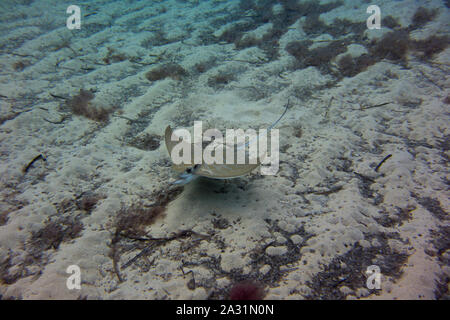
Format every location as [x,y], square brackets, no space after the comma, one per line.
[192,169]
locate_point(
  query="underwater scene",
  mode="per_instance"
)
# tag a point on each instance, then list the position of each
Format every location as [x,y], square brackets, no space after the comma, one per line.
[120,175]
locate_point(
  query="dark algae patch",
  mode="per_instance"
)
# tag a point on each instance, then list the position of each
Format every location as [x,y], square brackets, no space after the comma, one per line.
[279,264]
[441,243]
[56,230]
[432,205]
[146,141]
[349,269]
[82,105]
[168,70]
[131,223]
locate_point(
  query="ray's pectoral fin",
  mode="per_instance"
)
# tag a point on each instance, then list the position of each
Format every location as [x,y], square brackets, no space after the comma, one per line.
[186,171]
[170,145]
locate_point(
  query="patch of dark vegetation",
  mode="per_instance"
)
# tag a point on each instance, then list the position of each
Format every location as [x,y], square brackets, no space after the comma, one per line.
[260,258]
[132,221]
[431,46]
[364,184]
[88,201]
[313,25]
[306,8]
[422,16]
[7,117]
[168,70]
[413,144]
[349,66]
[442,288]
[131,224]
[235,32]
[446,100]
[246,5]
[444,145]
[390,22]
[324,189]
[441,243]
[279,264]
[220,223]
[3,218]
[10,202]
[344,164]
[349,269]
[189,240]
[81,105]
[220,79]
[319,57]
[206,37]
[390,220]
[281,20]
[24,2]
[54,232]
[298,131]
[432,205]
[202,67]
[20,65]
[112,56]
[344,27]
[270,43]
[392,46]
[6,276]
[299,49]
[146,141]
[85,202]
[291,169]
[276,262]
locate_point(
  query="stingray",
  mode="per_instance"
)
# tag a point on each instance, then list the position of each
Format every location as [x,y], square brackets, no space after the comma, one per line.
[189,172]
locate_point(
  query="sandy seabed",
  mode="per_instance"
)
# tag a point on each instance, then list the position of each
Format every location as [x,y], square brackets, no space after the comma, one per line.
[91,106]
